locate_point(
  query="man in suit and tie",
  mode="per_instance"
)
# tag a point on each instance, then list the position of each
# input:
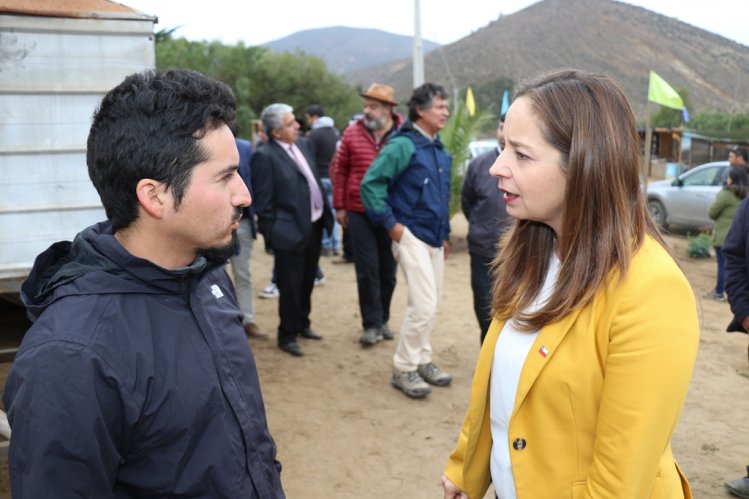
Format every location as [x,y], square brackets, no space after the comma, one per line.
[292,212]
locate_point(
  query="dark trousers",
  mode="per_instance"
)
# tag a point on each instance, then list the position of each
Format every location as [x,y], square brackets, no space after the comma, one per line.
[346,244]
[295,278]
[375,268]
[481,284]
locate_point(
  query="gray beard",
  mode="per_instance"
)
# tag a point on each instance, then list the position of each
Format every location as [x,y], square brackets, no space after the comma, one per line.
[374,124]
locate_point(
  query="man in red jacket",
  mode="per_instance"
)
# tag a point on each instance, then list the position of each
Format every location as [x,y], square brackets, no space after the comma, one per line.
[371,245]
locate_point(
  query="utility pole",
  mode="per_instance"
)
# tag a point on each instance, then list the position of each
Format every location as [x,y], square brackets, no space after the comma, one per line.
[418,62]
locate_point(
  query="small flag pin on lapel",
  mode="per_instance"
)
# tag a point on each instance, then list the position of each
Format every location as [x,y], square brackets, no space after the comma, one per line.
[543,351]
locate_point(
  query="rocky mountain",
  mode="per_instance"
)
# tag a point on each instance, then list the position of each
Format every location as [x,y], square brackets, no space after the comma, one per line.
[615,38]
[348,49]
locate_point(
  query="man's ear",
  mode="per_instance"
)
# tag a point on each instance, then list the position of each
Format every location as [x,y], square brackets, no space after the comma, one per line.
[152,197]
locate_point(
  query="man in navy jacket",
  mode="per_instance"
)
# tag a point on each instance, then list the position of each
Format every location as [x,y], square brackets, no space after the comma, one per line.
[136,378]
[736,251]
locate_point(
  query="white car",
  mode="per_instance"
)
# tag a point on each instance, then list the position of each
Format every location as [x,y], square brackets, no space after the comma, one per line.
[478,147]
[687,199]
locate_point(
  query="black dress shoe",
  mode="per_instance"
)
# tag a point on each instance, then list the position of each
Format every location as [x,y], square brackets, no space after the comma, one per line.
[310,334]
[293,348]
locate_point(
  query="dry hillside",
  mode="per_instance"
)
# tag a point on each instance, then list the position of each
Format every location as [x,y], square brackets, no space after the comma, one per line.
[618,39]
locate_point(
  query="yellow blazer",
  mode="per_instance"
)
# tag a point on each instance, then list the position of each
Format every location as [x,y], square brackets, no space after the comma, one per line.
[599,395]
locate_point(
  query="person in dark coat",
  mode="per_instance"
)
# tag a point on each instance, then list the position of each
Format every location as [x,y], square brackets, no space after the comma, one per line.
[322,140]
[481,202]
[736,253]
[136,378]
[292,212]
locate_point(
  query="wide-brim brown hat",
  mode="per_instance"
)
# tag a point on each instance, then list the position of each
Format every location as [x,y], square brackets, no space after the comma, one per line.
[381,92]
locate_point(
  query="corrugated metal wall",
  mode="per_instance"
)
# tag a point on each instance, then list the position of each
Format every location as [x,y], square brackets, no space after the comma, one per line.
[53,72]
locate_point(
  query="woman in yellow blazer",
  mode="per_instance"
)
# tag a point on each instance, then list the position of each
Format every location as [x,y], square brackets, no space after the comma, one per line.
[584,371]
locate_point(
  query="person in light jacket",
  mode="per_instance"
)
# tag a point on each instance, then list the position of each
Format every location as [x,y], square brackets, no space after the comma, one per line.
[584,370]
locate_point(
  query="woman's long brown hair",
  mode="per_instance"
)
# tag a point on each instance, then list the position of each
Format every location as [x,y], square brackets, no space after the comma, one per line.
[588,119]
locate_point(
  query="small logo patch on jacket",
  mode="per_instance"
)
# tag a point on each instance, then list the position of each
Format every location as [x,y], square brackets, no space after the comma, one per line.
[216,291]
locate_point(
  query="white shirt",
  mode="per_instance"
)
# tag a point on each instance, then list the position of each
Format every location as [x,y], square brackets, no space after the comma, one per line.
[510,353]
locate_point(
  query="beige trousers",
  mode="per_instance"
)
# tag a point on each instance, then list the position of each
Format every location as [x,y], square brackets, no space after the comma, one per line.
[423,267]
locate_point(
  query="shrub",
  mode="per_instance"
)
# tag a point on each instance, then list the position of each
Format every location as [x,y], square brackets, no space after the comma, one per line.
[699,247]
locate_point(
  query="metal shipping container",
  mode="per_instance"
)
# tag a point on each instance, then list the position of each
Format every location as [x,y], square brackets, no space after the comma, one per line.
[54,69]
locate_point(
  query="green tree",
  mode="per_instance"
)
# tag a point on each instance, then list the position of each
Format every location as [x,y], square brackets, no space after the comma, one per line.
[722,124]
[260,77]
[299,80]
[459,131]
[489,97]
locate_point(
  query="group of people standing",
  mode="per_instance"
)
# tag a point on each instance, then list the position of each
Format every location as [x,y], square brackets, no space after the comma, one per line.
[137,379]
[390,182]
[730,238]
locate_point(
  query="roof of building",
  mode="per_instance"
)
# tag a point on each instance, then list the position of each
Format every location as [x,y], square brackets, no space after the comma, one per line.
[85,9]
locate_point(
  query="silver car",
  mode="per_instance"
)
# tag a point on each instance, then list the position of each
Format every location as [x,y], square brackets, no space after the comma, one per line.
[687,199]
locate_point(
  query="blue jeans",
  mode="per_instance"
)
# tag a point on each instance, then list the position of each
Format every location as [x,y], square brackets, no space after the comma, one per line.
[721,284]
[329,240]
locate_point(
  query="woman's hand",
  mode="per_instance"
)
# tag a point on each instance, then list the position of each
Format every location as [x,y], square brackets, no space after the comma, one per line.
[451,490]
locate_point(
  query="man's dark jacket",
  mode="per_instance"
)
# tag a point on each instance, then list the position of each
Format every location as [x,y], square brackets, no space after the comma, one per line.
[736,252]
[282,197]
[134,381]
[322,141]
[481,202]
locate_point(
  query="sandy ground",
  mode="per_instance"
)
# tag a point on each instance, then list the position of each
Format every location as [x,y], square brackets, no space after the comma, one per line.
[343,432]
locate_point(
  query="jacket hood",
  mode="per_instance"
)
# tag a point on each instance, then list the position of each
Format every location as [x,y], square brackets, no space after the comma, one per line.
[96,263]
[324,121]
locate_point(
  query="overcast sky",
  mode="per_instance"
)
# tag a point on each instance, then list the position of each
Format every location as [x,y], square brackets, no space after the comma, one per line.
[442,21]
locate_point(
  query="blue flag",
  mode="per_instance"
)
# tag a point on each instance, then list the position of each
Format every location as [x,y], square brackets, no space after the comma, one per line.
[505,103]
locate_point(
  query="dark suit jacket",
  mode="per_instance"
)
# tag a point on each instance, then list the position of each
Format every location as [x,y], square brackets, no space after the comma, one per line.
[282,198]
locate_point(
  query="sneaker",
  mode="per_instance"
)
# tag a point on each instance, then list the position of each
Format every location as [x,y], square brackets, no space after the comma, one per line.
[371,336]
[410,383]
[717,297]
[319,280]
[327,252]
[434,375]
[740,487]
[386,332]
[270,291]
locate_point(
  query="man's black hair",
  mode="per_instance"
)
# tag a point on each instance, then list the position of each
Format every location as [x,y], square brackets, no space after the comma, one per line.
[149,126]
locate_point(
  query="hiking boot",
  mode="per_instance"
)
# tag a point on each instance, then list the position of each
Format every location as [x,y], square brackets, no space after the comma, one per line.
[434,375]
[740,487]
[386,332]
[370,336]
[410,383]
[717,297]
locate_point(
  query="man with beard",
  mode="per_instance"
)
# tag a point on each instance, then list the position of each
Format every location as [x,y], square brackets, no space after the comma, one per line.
[371,244]
[407,191]
[292,212]
[136,379]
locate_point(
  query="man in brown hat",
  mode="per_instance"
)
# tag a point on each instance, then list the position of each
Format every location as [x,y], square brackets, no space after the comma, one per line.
[371,245]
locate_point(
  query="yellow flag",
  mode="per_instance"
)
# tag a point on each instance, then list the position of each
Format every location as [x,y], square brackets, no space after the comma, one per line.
[660,92]
[470,103]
